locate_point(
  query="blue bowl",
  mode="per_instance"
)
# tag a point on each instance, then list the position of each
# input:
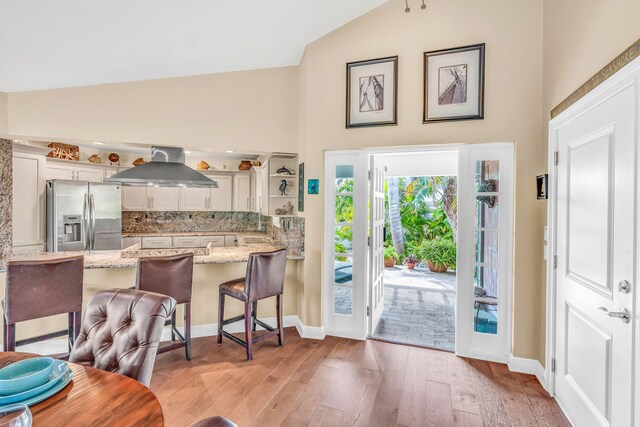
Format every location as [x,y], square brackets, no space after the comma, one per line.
[25,375]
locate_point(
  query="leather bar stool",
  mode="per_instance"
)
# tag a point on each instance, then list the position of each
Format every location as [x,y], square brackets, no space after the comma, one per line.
[121,332]
[264,279]
[172,276]
[41,288]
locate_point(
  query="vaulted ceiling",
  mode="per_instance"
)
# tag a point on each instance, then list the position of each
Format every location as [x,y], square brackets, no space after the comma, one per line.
[65,43]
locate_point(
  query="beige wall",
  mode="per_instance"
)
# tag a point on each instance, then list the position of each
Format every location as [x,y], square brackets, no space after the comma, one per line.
[246,111]
[512,113]
[4,114]
[579,38]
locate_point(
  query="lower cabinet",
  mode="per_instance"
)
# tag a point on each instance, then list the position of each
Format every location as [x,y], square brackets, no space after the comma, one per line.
[166,242]
[127,242]
[187,242]
[162,242]
[216,241]
[29,201]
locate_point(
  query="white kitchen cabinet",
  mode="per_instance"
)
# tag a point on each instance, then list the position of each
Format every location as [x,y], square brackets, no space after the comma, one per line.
[216,241]
[150,198]
[127,242]
[194,199]
[89,174]
[187,242]
[242,193]
[230,240]
[29,200]
[161,242]
[74,173]
[164,198]
[57,171]
[221,197]
[134,199]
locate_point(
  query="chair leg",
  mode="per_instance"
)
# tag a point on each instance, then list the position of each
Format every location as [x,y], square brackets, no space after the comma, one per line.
[173,325]
[279,317]
[77,325]
[71,330]
[10,337]
[254,314]
[187,330]
[220,316]
[247,330]
[5,333]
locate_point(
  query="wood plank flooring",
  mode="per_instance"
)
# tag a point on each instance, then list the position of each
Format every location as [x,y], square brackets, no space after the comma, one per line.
[340,382]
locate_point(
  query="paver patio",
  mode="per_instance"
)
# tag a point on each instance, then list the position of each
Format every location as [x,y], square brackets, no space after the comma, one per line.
[419,307]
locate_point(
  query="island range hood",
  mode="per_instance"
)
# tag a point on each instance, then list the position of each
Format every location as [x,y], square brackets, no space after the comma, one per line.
[166,169]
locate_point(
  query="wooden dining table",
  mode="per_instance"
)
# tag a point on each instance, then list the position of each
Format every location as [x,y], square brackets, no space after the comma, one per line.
[94,398]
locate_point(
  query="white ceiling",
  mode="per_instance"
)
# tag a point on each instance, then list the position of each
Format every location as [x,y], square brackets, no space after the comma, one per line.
[65,43]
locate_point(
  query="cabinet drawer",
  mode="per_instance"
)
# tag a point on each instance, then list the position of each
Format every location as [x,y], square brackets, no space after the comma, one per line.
[157,242]
[127,242]
[216,241]
[186,242]
[230,240]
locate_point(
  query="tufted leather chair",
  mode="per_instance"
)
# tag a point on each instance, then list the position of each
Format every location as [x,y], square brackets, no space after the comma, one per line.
[172,276]
[214,422]
[264,279]
[121,332]
[41,288]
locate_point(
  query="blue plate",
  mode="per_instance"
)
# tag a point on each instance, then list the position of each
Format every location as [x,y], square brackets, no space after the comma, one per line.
[62,383]
[25,375]
[60,368]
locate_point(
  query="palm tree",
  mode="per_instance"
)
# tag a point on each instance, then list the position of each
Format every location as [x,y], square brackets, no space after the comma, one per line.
[443,191]
[397,236]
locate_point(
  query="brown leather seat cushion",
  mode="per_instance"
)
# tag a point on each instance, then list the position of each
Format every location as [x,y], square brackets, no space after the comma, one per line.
[235,288]
[121,332]
[214,422]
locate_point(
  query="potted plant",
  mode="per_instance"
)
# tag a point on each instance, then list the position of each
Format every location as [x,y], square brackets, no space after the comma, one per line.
[390,256]
[440,254]
[411,261]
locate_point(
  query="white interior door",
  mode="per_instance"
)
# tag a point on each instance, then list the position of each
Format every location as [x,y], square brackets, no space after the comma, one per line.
[376,244]
[595,249]
[484,268]
[345,244]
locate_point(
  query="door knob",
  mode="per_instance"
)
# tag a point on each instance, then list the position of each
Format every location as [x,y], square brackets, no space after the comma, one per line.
[622,315]
[624,286]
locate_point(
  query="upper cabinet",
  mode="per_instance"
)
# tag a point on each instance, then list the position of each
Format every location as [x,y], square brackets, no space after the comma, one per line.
[221,197]
[242,193]
[208,199]
[150,198]
[57,170]
[29,180]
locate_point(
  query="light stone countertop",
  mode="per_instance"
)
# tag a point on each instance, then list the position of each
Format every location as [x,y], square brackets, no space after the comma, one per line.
[113,259]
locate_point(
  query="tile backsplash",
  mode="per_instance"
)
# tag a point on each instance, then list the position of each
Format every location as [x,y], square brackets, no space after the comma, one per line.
[289,231]
[179,222]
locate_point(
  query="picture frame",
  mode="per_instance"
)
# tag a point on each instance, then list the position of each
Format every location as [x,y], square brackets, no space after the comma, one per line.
[454,84]
[372,92]
[301,187]
[542,187]
[313,186]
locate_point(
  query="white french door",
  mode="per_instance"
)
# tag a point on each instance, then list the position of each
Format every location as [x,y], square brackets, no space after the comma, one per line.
[595,238]
[484,272]
[376,242]
[345,244]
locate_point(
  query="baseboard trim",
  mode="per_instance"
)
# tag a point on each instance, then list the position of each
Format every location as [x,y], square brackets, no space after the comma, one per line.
[528,366]
[57,346]
[482,356]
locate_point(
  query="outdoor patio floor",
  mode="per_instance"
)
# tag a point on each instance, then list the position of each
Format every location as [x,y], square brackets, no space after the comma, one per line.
[419,307]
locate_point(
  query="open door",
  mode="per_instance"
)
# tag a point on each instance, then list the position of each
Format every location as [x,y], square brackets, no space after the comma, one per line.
[376,243]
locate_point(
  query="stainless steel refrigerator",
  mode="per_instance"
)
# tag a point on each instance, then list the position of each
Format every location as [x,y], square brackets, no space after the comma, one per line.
[83,216]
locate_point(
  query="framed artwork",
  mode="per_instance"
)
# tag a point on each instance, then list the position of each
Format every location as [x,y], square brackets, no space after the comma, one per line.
[454,84]
[301,187]
[542,187]
[313,186]
[372,92]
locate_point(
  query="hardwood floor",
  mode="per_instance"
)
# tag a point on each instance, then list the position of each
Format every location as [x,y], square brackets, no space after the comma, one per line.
[340,382]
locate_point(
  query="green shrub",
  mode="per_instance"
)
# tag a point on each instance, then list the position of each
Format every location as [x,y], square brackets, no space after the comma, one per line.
[439,251]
